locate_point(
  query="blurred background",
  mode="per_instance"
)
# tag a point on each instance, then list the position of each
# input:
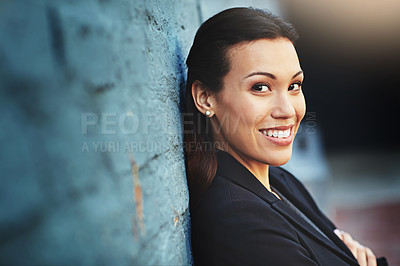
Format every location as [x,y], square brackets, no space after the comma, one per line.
[350,52]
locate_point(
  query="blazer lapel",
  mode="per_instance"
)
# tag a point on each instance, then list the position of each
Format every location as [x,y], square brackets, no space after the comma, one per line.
[230,168]
[335,244]
[300,223]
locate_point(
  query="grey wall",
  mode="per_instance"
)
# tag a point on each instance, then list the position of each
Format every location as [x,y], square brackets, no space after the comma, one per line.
[91,159]
[211,7]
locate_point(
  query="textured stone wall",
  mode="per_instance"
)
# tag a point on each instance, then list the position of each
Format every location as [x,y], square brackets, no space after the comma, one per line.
[91,157]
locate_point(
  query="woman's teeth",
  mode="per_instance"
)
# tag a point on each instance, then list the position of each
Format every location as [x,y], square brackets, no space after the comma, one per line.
[276,133]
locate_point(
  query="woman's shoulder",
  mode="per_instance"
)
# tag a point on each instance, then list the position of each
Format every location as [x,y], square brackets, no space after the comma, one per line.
[226,198]
[236,226]
[224,192]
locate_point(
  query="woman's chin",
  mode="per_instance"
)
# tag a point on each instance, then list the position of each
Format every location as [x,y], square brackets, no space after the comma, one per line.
[279,158]
[278,163]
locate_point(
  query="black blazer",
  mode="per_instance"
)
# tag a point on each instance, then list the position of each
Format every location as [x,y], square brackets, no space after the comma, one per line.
[239,222]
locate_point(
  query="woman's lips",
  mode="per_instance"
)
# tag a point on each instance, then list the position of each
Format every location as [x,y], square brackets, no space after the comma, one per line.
[281,135]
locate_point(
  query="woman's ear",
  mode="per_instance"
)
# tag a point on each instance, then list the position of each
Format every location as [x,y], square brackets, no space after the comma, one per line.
[203,98]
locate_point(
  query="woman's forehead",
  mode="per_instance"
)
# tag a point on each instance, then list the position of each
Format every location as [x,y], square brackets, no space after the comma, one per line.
[274,55]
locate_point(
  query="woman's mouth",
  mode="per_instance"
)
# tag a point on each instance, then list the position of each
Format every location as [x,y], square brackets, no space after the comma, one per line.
[281,135]
[276,133]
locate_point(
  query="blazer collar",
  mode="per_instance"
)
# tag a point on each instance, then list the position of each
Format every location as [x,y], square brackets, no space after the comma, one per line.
[230,168]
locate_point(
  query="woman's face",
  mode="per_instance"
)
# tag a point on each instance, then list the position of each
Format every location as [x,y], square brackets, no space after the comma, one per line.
[261,104]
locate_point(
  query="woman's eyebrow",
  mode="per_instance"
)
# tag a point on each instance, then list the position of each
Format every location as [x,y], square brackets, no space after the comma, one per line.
[272,76]
[298,73]
[261,73]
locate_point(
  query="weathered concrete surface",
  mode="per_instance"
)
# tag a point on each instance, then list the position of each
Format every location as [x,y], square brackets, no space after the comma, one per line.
[92,168]
[211,7]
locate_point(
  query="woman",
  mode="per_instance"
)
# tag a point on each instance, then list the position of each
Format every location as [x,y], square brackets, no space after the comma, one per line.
[245,100]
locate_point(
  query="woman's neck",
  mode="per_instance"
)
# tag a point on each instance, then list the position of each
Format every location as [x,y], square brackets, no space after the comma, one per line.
[259,170]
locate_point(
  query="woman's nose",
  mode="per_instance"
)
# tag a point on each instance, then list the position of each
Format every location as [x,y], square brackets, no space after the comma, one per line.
[283,108]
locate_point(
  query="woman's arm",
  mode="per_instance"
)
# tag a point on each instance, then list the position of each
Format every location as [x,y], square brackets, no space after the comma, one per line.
[249,234]
[364,255]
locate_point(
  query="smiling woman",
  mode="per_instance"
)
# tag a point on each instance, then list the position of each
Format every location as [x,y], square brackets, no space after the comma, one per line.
[263,87]
[244,94]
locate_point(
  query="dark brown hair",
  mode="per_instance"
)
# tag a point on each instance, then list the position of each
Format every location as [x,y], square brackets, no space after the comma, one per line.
[208,63]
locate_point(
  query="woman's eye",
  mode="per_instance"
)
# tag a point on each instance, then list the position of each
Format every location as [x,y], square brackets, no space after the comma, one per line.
[295,87]
[260,87]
